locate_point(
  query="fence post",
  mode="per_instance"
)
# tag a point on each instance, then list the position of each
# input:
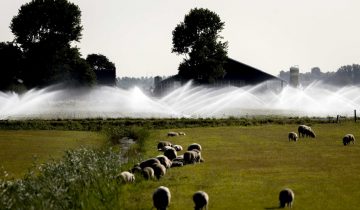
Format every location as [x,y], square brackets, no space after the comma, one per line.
[355,115]
[337,118]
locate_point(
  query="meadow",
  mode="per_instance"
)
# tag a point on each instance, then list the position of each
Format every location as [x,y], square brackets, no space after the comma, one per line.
[20,149]
[245,168]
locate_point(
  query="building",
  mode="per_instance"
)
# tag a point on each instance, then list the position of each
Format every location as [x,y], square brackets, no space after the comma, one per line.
[237,74]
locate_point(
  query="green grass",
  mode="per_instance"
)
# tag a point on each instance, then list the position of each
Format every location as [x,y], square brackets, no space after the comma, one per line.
[246,167]
[19,149]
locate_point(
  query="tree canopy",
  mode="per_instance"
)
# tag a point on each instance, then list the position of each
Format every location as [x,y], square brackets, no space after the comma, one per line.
[45,30]
[104,69]
[55,22]
[10,59]
[198,38]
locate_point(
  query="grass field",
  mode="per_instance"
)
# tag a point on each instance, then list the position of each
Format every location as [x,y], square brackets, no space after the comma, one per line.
[19,149]
[246,167]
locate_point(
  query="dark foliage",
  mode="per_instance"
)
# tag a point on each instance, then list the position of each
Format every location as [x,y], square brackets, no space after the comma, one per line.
[199,40]
[104,69]
[10,68]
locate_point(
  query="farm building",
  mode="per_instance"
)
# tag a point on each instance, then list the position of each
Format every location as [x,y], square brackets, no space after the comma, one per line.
[237,74]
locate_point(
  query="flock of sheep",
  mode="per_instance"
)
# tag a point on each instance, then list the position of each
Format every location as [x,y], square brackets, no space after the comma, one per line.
[306,131]
[156,167]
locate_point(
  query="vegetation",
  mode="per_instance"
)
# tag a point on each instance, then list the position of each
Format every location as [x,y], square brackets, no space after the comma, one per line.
[43,51]
[198,38]
[104,69]
[245,168]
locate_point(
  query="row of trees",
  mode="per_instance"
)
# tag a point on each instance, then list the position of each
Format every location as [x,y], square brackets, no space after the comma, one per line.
[43,53]
[345,75]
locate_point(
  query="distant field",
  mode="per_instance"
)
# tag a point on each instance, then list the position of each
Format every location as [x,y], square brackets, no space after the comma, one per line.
[246,167]
[19,148]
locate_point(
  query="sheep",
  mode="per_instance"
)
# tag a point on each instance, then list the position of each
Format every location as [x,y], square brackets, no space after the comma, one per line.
[201,200]
[149,162]
[159,170]
[286,197]
[127,176]
[148,173]
[136,169]
[170,153]
[171,134]
[193,156]
[164,161]
[177,164]
[177,147]
[181,133]
[293,136]
[194,146]
[162,144]
[179,158]
[348,138]
[161,198]
[166,148]
[306,131]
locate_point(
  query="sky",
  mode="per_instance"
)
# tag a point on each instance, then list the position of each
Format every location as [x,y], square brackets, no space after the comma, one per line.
[271,35]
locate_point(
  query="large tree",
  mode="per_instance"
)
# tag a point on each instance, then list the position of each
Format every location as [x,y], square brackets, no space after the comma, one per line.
[10,65]
[104,69]
[198,38]
[45,30]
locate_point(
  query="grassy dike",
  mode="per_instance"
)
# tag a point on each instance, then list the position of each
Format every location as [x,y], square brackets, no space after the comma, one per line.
[246,167]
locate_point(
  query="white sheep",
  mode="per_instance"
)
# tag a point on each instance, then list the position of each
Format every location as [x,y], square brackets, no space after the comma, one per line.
[177,147]
[164,161]
[149,162]
[286,197]
[194,146]
[201,200]
[181,133]
[127,177]
[148,173]
[159,170]
[193,156]
[170,153]
[161,198]
[348,138]
[306,131]
[171,133]
[293,136]
[162,144]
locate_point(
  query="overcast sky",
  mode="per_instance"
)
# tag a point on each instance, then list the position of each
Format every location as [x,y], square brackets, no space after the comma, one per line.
[271,35]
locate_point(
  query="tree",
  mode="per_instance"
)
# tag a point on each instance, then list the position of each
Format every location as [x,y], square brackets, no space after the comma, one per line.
[45,29]
[54,22]
[198,39]
[104,69]
[10,68]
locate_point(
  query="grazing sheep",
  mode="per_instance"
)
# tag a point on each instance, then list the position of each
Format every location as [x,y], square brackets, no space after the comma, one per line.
[306,131]
[148,173]
[286,197]
[170,153]
[348,138]
[149,162]
[177,147]
[177,164]
[161,198]
[166,148]
[193,156]
[127,177]
[171,133]
[164,161]
[293,136]
[179,158]
[159,170]
[194,146]
[136,169]
[201,200]
[181,133]
[162,144]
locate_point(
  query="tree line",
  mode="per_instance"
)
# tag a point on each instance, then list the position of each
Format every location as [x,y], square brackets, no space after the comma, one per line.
[345,75]
[43,51]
